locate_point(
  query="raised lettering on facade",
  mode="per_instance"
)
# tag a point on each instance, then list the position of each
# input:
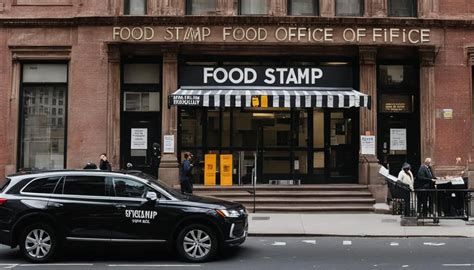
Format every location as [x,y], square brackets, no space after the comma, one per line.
[281,34]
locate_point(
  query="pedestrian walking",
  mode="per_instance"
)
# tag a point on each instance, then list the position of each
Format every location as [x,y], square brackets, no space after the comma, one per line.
[104,163]
[186,175]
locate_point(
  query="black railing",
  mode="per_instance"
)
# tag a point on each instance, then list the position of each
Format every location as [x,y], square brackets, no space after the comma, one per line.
[439,204]
[435,204]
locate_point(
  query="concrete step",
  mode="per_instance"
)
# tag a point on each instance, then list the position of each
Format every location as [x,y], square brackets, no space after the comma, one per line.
[271,208]
[285,194]
[274,188]
[309,200]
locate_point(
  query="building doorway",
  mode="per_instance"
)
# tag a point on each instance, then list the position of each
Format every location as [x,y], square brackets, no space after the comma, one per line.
[398,116]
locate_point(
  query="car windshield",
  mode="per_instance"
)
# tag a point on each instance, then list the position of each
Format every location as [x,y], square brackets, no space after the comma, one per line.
[153,181]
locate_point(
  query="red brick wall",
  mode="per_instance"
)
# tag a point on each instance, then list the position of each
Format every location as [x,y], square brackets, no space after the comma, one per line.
[453,91]
[67,8]
[452,8]
[87,114]
[4,65]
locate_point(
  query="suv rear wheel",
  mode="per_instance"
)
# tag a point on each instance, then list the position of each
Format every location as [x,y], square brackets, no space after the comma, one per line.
[197,243]
[38,242]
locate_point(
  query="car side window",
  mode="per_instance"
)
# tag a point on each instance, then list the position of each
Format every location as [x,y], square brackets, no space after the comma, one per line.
[42,185]
[85,185]
[129,188]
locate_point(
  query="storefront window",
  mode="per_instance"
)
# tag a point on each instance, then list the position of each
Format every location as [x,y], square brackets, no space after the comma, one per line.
[349,7]
[191,127]
[226,129]
[213,128]
[253,7]
[303,7]
[201,7]
[43,116]
[135,7]
[402,8]
[245,134]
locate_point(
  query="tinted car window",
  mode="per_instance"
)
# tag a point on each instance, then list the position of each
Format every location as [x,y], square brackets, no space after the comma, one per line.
[43,185]
[5,185]
[85,185]
[129,188]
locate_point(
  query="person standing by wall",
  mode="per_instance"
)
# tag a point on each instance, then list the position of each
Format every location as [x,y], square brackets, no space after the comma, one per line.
[186,174]
[425,180]
[406,177]
[104,163]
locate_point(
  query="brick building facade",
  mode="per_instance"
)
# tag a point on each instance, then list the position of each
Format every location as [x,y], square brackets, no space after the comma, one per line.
[413,58]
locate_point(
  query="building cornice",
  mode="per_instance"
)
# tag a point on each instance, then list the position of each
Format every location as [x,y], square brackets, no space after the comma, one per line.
[233,20]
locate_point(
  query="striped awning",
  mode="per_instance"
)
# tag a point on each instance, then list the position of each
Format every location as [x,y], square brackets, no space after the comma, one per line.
[268,97]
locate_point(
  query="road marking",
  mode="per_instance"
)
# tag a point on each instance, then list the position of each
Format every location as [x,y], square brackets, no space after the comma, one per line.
[279,244]
[346,243]
[310,242]
[56,264]
[458,264]
[154,265]
[405,266]
[394,244]
[434,244]
[8,265]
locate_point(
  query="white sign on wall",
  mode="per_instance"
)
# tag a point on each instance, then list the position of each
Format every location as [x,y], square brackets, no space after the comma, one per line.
[168,144]
[139,139]
[398,139]
[367,145]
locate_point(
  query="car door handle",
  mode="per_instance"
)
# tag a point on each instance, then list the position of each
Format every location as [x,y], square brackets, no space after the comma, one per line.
[120,206]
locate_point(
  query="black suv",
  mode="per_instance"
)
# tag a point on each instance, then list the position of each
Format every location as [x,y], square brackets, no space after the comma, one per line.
[41,211]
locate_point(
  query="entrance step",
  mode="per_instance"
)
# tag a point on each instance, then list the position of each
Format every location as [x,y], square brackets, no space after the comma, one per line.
[297,198]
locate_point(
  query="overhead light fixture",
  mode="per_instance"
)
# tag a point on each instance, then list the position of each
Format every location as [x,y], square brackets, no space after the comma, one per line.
[264,115]
[335,63]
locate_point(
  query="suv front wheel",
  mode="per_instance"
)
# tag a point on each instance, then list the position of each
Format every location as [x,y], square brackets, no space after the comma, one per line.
[38,242]
[197,243]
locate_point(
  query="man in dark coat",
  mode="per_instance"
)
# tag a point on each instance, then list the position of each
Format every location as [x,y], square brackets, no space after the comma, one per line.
[186,175]
[425,180]
[104,163]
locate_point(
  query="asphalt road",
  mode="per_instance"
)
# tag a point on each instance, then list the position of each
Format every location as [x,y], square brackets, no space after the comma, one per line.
[274,253]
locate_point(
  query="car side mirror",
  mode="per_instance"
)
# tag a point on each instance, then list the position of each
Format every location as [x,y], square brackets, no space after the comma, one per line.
[151,196]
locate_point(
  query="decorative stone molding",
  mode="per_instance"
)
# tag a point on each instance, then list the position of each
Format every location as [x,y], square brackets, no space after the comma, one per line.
[278,7]
[427,100]
[427,55]
[428,8]
[226,8]
[327,8]
[367,55]
[20,53]
[113,105]
[470,55]
[378,8]
[172,7]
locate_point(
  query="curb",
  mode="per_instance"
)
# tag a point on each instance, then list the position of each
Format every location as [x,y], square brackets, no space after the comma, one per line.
[355,235]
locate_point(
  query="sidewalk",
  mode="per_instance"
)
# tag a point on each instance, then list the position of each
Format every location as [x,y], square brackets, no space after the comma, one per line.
[375,225]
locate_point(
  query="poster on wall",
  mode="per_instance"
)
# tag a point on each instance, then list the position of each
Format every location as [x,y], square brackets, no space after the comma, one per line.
[168,144]
[226,170]
[139,139]
[210,169]
[367,145]
[398,139]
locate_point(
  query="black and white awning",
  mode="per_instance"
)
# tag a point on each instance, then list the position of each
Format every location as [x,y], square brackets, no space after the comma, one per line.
[268,97]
